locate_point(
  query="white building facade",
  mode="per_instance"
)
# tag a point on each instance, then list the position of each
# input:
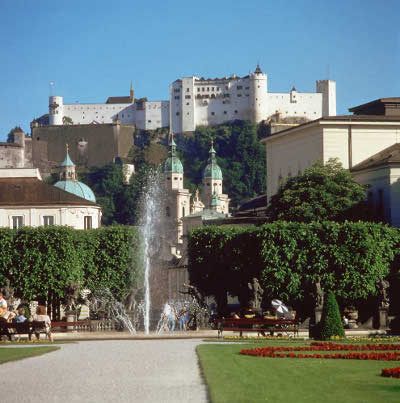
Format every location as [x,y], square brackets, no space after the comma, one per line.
[360,142]
[197,102]
[25,200]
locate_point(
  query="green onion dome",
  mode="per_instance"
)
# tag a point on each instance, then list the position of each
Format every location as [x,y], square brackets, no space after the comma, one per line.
[78,189]
[212,170]
[172,164]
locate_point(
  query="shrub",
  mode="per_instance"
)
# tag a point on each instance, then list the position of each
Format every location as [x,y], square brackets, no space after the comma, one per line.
[331,322]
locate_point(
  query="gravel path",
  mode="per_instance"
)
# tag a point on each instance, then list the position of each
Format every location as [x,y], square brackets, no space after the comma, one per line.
[107,371]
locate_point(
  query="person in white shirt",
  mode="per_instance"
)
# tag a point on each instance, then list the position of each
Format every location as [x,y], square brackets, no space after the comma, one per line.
[3,302]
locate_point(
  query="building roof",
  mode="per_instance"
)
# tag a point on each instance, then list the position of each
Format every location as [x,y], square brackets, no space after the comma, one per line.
[340,119]
[206,214]
[390,155]
[35,192]
[377,106]
[78,189]
[249,207]
[119,100]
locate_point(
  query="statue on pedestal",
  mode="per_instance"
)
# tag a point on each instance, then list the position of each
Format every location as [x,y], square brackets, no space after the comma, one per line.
[383,298]
[72,295]
[256,294]
[318,300]
[8,294]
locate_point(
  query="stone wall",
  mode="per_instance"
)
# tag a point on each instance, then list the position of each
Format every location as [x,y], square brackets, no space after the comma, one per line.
[89,145]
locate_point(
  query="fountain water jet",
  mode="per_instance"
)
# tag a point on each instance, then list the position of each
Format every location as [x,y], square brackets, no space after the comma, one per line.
[150,226]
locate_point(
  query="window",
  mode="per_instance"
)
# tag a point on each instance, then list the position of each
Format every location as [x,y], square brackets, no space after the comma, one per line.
[177,113]
[17,221]
[187,96]
[226,95]
[208,88]
[168,211]
[224,112]
[177,97]
[239,87]
[149,121]
[176,90]
[187,90]
[212,113]
[236,112]
[239,95]
[187,103]
[203,89]
[48,220]
[212,88]
[87,220]
[183,211]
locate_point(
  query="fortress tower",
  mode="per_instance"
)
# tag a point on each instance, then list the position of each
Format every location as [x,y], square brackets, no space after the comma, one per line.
[258,95]
[328,90]
[56,110]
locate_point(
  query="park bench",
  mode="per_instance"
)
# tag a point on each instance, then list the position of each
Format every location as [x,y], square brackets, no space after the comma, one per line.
[29,328]
[259,325]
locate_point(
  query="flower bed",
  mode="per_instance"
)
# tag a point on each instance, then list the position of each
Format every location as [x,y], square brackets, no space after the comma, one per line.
[391,372]
[279,352]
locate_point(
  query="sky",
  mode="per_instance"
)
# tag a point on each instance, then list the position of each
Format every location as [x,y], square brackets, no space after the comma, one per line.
[94,49]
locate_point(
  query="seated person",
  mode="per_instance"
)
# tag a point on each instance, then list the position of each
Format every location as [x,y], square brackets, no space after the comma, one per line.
[249,313]
[269,315]
[40,316]
[7,315]
[20,318]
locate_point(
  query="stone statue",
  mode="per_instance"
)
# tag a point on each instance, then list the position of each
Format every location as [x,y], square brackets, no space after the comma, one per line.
[318,295]
[383,298]
[72,295]
[256,294]
[130,300]
[8,294]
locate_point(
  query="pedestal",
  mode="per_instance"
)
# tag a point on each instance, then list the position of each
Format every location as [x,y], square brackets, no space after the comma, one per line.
[383,318]
[71,317]
[318,314]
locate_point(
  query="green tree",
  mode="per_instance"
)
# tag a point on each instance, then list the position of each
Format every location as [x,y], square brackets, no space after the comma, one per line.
[331,321]
[10,135]
[322,192]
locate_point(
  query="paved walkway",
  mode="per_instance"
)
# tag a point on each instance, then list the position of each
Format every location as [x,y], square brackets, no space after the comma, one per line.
[107,371]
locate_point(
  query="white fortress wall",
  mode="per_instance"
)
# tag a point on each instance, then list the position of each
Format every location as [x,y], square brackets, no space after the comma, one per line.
[307,105]
[154,115]
[99,113]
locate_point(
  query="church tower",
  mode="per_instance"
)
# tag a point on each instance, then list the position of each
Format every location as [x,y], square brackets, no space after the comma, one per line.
[177,198]
[212,183]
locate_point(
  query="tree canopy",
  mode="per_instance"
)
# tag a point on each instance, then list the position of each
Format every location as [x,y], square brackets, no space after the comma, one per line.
[321,192]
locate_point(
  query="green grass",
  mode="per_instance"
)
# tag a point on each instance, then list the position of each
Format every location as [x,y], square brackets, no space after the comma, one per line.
[12,354]
[235,378]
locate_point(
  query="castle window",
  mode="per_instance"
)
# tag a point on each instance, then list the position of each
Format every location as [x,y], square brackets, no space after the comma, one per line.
[177,96]
[168,212]
[212,88]
[176,90]
[239,95]
[187,103]
[239,87]
[246,88]
[187,96]
[212,113]
[87,221]
[187,90]
[259,87]
[226,95]
[236,111]
[224,112]
[183,211]
[122,115]
[149,121]
[208,88]
[175,178]
[198,89]
[203,89]
[218,89]
[177,113]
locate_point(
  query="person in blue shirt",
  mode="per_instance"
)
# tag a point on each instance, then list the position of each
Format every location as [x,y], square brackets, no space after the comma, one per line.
[20,318]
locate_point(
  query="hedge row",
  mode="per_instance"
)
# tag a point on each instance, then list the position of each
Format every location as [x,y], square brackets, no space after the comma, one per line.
[288,258]
[41,261]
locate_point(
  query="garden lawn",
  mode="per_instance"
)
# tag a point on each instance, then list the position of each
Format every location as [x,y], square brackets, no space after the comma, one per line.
[236,378]
[12,354]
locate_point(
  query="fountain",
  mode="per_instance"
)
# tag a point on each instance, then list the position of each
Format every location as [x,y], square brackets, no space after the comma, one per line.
[150,226]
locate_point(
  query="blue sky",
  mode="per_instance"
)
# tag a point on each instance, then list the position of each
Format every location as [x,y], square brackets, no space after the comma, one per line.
[93,49]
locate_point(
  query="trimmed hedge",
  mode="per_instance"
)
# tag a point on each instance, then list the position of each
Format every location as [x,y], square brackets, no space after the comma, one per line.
[331,321]
[41,261]
[288,257]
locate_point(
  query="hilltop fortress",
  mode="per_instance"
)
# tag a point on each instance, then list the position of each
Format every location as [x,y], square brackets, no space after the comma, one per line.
[201,102]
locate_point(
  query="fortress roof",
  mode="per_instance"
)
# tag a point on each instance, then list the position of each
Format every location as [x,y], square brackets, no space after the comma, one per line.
[119,100]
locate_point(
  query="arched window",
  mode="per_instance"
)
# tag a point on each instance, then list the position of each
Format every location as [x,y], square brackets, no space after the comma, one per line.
[168,212]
